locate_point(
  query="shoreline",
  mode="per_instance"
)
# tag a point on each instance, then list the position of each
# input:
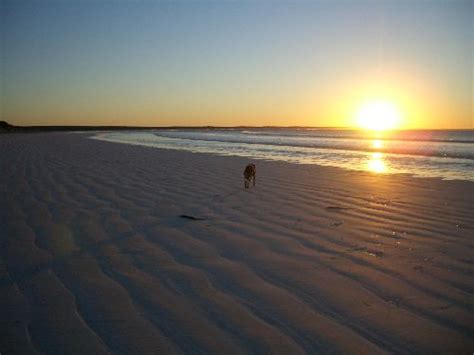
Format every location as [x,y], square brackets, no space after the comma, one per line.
[343,158]
[96,257]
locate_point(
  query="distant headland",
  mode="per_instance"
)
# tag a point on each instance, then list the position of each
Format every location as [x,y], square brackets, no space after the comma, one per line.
[5,127]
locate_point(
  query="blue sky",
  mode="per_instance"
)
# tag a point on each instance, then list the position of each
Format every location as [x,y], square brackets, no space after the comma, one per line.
[234,62]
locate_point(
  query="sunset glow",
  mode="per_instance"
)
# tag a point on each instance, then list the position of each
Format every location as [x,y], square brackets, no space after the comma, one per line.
[378,116]
[377,144]
[237,176]
[230,63]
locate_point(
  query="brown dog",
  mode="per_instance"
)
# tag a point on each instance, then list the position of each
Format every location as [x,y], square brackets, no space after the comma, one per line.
[249,174]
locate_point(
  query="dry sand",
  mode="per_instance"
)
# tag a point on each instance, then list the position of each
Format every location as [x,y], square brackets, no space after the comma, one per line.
[95,257]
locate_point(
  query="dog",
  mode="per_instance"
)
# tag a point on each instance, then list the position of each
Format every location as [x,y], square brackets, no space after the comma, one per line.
[249,174]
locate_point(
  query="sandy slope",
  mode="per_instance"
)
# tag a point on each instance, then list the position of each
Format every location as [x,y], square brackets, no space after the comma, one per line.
[95,257]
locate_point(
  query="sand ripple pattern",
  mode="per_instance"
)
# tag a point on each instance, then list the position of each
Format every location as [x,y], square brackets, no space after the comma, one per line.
[94,257]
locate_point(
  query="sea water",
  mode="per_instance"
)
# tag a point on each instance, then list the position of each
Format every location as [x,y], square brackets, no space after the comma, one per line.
[446,154]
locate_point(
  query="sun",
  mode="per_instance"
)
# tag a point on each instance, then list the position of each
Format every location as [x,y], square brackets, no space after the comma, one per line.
[378,116]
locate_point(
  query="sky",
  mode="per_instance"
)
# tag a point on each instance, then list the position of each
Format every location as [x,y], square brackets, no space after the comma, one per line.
[230,63]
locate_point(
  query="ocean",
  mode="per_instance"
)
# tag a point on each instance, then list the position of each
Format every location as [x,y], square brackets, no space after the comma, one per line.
[445,154]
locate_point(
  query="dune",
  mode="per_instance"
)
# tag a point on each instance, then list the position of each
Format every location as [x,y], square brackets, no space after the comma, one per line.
[108,247]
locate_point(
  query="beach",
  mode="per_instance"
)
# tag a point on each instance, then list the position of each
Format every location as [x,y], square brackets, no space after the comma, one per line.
[116,248]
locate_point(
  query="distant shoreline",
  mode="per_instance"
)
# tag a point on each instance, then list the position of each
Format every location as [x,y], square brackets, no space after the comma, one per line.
[5,127]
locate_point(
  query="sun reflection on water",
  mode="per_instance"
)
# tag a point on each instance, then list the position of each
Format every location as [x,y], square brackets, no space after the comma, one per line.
[376,163]
[377,143]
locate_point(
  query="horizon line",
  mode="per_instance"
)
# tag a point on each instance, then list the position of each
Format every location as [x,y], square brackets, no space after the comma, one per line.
[121,127]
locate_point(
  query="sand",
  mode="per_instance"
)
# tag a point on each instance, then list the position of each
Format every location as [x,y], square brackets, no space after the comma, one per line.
[97,258]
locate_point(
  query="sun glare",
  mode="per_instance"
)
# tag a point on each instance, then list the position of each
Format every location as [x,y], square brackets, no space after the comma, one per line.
[376,163]
[378,116]
[377,144]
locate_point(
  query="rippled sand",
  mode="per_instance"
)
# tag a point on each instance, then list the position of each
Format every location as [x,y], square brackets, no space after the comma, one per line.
[96,257]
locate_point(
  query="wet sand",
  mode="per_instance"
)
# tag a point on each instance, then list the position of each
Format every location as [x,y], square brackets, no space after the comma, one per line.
[96,257]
